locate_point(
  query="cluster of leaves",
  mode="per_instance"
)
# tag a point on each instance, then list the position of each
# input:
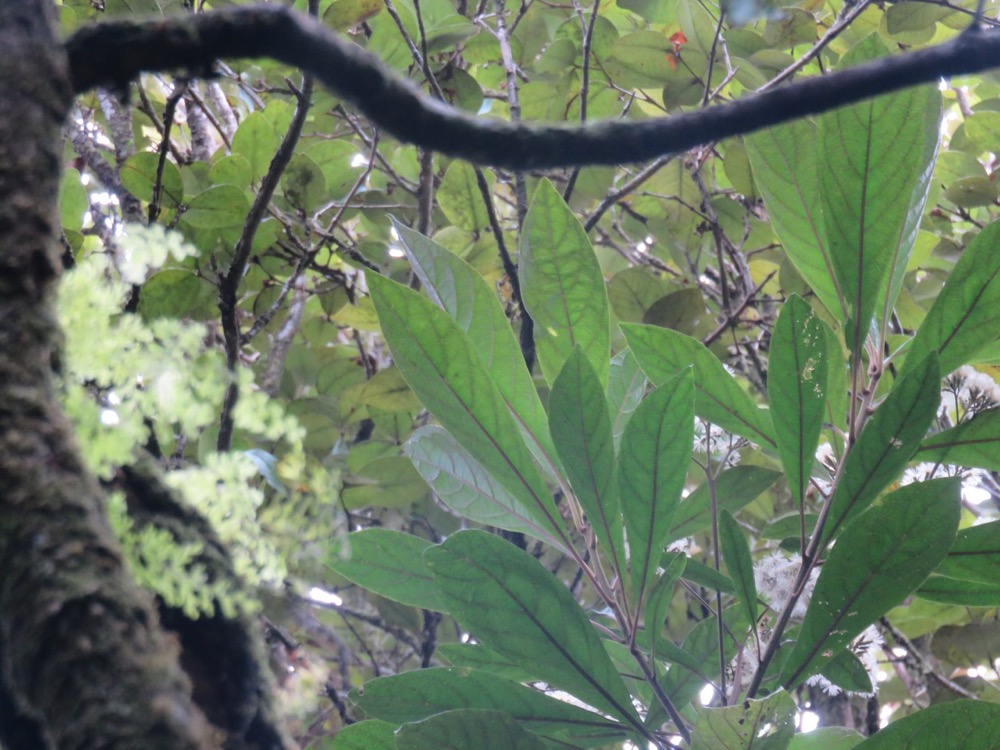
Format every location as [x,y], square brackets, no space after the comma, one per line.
[731,459]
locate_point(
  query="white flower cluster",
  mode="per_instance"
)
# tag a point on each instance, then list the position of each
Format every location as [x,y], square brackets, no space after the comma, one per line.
[775,578]
[968,391]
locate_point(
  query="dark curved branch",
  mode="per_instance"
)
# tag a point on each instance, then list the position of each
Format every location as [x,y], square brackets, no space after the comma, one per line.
[114,53]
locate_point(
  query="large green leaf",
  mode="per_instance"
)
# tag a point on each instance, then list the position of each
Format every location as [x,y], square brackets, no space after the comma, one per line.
[960,591]
[739,563]
[969,725]
[888,441]
[466,728]
[965,317]
[826,738]
[464,294]
[391,564]
[581,431]
[562,286]
[655,452]
[973,443]
[366,735]
[975,555]
[785,163]
[766,724]
[796,385]
[440,363]
[466,488]
[875,159]
[508,600]
[879,559]
[416,695]
[663,353]
[734,489]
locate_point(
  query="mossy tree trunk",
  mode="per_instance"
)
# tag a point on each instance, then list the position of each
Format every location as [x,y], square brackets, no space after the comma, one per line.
[84,661]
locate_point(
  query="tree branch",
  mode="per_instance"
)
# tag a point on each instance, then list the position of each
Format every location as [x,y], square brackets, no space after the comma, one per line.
[114,53]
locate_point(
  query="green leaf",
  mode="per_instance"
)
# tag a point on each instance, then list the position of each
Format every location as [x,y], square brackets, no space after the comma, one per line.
[458,289]
[416,695]
[463,486]
[970,725]
[975,555]
[138,175]
[389,563]
[466,728]
[786,167]
[219,207]
[873,179]
[366,735]
[736,553]
[959,591]
[485,659]
[964,318]
[581,431]
[734,489]
[846,671]
[440,364]
[879,559]
[562,286]
[702,574]
[663,353]
[796,384]
[658,601]
[460,198]
[303,184]
[975,443]
[766,724]
[826,738]
[626,387]
[655,452]
[888,441]
[510,602]
[255,140]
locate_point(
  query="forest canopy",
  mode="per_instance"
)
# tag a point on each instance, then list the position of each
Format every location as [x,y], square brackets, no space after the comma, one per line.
[417,374]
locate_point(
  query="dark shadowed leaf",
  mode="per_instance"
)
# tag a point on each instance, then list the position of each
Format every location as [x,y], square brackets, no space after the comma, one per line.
[970,725]
[389,563]
[366,735]
[510,602]
[416,695]
[466,728]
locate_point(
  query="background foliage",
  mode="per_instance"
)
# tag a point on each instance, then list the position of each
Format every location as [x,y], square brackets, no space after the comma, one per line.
[737,357]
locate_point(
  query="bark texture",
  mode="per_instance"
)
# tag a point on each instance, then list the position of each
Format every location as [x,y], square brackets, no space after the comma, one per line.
[83,660]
